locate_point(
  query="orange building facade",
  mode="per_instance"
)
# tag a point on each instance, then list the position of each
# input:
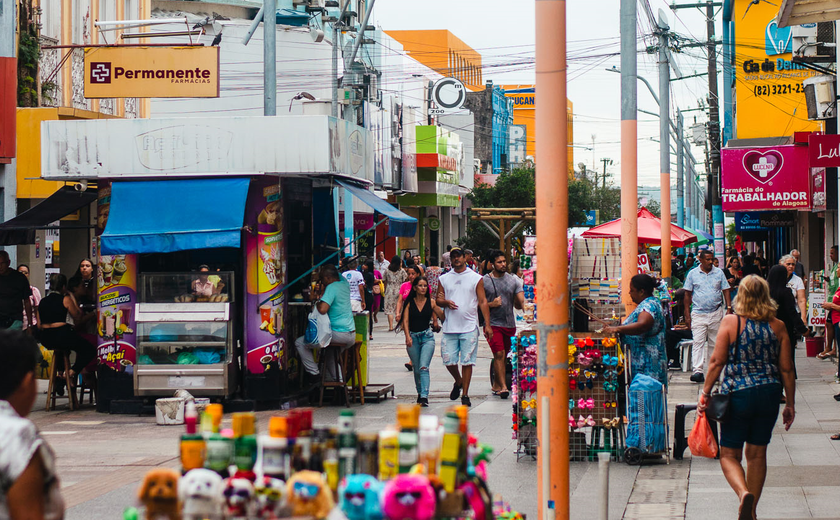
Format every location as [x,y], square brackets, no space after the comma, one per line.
[445,53]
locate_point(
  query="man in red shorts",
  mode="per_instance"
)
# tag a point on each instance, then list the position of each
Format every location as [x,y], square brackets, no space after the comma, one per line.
[504,291]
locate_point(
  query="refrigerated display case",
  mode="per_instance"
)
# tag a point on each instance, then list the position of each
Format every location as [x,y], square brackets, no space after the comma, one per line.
[185,334]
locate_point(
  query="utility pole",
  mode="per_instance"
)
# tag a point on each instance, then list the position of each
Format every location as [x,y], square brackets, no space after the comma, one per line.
[336,39]
[604,176]
[664,149]
[714,132]
[680,171]
[629,151]
[553,286]
[270,57]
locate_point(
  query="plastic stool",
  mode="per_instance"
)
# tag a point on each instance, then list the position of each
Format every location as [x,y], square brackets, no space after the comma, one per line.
[680,438]
[685,353]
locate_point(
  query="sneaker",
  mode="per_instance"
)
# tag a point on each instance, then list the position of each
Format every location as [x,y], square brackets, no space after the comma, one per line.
[674,365]
[423,401]
[456,391]
[466,401]
[698,377]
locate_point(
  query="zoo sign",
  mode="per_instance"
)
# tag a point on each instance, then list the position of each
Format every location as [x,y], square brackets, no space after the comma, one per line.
[449,95]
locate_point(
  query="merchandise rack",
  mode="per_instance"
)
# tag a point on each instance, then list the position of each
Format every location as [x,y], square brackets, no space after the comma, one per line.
[604,426]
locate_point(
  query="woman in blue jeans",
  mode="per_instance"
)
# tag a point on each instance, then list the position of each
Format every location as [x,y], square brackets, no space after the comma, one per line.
[754,353]
[420,322]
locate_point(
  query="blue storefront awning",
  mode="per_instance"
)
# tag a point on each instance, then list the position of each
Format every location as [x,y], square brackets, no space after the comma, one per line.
[166,216]
[399,224]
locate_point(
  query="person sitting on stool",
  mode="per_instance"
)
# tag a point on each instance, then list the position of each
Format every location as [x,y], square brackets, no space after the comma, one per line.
[335,302]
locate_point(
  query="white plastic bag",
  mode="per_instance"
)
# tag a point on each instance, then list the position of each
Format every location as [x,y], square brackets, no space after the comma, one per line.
[318,331]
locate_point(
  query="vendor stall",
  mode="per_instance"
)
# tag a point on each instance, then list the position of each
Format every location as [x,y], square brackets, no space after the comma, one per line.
[194,226]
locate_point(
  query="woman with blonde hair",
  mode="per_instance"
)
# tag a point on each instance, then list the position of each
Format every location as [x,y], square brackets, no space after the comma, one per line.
[754,353]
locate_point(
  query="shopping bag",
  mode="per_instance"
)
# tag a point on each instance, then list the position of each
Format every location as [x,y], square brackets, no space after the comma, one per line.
[318,331]
[701,442]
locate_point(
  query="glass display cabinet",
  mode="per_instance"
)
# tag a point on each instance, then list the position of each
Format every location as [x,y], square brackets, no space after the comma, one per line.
[185,334]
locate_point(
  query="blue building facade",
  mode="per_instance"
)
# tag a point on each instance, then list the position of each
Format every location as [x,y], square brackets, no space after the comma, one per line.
[502,119]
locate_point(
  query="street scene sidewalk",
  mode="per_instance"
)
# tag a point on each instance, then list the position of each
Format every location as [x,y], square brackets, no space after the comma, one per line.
[102,458]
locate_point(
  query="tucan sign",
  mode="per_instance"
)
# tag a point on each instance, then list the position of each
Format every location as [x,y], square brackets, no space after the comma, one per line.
[151,72]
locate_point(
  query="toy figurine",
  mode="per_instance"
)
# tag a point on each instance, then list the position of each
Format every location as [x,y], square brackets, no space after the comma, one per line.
[359,497]
[239,493]
[478,498]
[409,497]
[200,492]
[159,493]
[308,495]
[271,497]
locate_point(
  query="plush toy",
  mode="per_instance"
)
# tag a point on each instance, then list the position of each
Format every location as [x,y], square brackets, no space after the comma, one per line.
[238,493]
[409,497]
[200,492]
[359,497]
[271,497]
[478,498]
[308,495]
[159,493]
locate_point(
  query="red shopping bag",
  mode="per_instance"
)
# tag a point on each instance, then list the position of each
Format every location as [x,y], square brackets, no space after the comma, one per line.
[701,442]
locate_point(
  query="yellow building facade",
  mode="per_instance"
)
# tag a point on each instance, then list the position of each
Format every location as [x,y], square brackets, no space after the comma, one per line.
[445,53]
[524,121]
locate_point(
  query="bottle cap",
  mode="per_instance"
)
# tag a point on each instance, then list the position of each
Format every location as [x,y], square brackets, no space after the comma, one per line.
[244,423]
[277,426]
[428,422]
[304,417]
[216,412]
[408,416]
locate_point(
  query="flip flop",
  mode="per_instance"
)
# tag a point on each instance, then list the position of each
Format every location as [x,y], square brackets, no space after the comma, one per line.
[835,437]
[745,512]
[504,395]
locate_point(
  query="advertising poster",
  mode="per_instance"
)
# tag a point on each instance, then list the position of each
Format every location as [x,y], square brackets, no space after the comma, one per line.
[266,272]
[816,314]
[765,178]
[770,94]
[117,294]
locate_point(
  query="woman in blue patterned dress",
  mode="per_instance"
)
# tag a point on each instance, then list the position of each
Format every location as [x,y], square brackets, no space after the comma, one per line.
[643,332]
[754,353]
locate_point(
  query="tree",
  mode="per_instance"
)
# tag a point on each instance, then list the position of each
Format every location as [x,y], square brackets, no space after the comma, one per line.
[517,189]
[513,189]
[653,206]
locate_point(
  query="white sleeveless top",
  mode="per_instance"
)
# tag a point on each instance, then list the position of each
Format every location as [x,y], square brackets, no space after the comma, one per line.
[460,288]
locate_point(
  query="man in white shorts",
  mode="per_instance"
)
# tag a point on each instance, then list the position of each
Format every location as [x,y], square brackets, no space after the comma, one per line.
[461,295]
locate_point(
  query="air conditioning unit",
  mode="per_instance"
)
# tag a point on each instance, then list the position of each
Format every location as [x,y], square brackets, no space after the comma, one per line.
[804,39]
[820,97]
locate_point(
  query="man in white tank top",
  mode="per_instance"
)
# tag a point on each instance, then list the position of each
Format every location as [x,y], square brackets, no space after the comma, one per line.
[461,295]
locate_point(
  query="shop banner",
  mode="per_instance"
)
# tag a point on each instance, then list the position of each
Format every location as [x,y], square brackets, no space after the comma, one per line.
[151,72]
[117,295]
[816,314]
[265,271]
[748,221]
[824,150]
[765,178]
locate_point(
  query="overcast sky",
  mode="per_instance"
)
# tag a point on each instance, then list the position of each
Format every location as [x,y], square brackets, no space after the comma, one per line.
[503,32]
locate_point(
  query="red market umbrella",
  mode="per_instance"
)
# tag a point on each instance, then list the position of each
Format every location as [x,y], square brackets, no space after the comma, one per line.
[649,230]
